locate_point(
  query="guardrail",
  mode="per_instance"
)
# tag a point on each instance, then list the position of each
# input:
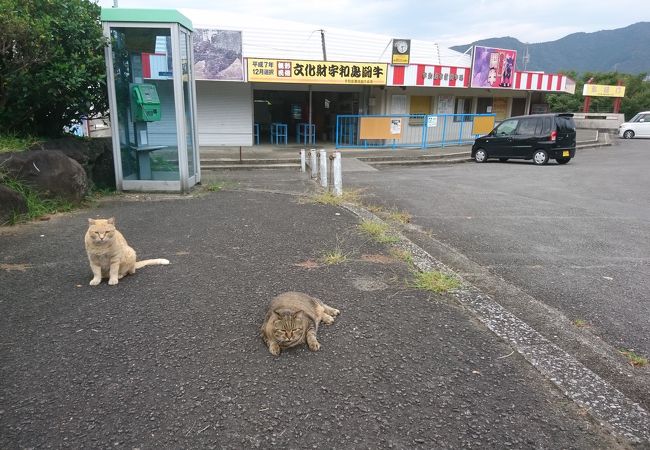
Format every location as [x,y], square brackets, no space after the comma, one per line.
[410,130]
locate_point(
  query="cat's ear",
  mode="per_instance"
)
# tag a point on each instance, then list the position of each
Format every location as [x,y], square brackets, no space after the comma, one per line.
[298,314]
[111,220]
[282,312]
[91,221]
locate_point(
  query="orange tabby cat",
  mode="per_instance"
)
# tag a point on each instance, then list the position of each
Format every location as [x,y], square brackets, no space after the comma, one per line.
[109,254]
[293,319]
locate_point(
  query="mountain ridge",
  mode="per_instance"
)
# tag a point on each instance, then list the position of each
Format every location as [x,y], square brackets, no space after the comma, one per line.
[619,50]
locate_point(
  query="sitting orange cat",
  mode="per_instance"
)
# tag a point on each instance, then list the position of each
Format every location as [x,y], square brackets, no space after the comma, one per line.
[109,254]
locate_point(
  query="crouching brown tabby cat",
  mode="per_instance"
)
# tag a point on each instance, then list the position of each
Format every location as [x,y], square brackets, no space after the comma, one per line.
[109,254]
[293,319]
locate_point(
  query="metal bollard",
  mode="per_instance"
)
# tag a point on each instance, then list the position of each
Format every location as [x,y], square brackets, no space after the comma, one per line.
[323,168]
[338,178]
[303,163]
[313,163]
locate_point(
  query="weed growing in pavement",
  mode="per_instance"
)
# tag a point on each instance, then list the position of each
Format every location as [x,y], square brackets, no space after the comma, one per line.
[379,231]
[402,255]
[215,187]
[399,216]
[634,359]
[333,257]
[328,198]
[434,281]
[580,323]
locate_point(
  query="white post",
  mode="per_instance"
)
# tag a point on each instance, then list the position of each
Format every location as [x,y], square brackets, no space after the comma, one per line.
[303,163]
[313,164]
[338,179]
[323,168]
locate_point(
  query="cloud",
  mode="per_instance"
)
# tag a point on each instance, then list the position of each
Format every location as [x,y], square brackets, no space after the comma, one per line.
[451,23]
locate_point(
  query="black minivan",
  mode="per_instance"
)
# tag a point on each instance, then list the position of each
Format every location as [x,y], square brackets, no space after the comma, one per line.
[539,137]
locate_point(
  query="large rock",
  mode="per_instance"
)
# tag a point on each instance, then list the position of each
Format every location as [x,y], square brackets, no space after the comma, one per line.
[51,173]
[95,155]
[11,202]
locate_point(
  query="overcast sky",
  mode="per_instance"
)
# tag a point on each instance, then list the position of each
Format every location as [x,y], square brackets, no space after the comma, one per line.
[451,22]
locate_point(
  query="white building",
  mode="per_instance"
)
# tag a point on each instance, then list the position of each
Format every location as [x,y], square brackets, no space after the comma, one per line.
[239,90]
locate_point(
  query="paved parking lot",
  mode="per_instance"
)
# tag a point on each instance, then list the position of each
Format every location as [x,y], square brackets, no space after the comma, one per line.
[558,245]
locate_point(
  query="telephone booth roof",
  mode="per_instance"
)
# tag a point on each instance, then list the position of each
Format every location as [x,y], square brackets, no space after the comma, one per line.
[146,16]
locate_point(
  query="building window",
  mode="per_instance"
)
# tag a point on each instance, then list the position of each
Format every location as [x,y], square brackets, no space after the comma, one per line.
[463,106]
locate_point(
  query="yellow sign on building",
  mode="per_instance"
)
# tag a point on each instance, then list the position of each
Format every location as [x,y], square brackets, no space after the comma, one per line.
[602,90]
[315,72]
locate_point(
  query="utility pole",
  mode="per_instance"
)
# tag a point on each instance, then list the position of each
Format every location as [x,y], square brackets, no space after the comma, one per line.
[322,40]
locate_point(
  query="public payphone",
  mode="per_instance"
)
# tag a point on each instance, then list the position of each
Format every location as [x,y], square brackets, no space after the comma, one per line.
[152,99]
[146,104]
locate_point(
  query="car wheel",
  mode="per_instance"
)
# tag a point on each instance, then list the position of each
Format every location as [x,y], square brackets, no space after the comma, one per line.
[480,156]
[503,159]
[629,134]
[562,160]
[540,157]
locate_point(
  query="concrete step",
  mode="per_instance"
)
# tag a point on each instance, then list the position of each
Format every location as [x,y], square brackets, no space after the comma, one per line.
[418,162]
[423,158]
[248,166]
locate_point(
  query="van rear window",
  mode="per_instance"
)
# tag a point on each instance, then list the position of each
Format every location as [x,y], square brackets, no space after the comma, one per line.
[565,124]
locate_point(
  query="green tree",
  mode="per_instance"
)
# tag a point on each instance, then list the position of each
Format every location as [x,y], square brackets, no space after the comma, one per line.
[52,68]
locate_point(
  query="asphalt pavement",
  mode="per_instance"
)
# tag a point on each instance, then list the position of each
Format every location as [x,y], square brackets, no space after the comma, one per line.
[171,357]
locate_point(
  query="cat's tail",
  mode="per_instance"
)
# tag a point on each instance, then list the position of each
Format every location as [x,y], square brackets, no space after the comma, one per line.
[151,262]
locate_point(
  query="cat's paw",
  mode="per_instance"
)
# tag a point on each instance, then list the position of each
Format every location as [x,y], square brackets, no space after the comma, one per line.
[95,281]
[335,312]
[274,348]
[327,319]
[112,281]
[314,345]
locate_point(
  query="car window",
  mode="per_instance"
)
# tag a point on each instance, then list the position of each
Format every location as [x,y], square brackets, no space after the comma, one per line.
[507,128]
[565,124]
[527,127]
[644,118]
[546,127]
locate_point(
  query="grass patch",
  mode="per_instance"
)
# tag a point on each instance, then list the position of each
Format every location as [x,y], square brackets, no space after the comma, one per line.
[328,198]
[333,257]
[634,359]
[399,216]
[379,231]
[36,206]
[14,143]
[215,187]
[580,323]
[434,281]
[402,255]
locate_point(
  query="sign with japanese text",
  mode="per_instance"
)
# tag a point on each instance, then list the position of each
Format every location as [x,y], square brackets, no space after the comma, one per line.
[601,90]
[315,72]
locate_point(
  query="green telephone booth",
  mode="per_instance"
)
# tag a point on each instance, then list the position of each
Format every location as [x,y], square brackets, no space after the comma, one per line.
[152,98]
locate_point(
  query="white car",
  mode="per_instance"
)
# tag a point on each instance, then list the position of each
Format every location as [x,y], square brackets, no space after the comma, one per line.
[638,126]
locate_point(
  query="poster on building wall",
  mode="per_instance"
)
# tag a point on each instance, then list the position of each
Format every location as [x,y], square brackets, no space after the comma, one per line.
[315,72]
[218,55]
[493,67]
[445,104]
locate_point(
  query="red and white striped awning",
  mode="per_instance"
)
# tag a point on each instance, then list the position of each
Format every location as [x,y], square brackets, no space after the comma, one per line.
[449,76]
[547,82]
[428,75]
